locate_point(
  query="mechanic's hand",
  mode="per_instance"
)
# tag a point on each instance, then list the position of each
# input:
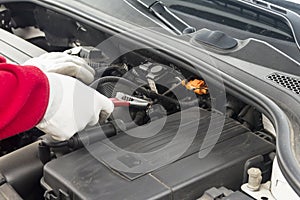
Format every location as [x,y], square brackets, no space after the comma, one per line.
[72,106]
[65,64]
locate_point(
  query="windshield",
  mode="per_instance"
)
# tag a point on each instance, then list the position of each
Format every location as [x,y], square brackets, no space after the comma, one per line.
[293,5]
[124,10]
[225,12]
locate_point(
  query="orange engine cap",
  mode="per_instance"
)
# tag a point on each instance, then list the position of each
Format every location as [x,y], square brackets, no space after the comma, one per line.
[198,86]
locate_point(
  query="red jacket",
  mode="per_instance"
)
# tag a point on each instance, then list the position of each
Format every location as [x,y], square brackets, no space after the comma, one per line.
[24,95]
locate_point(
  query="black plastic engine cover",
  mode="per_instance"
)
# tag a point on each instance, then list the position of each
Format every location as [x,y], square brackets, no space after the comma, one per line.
[80,175]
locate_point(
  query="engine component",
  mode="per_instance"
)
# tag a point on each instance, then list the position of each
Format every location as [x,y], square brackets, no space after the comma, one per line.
[105,86]
[94,57]
[89,135]
[94,179]
[251,118]
[5,18]
[7,192]
[14,143]
[255,179]
[263,192]
[198,86]
[155,74]
[23,169]
[223,193]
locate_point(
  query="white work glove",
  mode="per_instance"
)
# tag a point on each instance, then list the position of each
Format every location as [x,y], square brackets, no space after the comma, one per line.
[65,64]
[72,106]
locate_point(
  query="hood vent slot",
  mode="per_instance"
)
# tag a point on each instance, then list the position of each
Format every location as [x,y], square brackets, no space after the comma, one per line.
[290,83]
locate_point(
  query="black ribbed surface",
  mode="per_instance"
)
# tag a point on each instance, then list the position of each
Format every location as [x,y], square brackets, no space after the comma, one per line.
[107,89]
[110,89]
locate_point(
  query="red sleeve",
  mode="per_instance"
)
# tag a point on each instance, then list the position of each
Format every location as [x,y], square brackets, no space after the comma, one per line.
[24,95]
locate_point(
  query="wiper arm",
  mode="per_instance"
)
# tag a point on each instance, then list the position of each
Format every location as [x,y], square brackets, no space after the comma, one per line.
[167,17]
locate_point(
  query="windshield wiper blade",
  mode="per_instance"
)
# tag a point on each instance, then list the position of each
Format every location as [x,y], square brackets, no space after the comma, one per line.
[167,17]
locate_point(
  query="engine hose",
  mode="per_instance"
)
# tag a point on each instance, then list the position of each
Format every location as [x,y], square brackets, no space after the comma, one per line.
[92,135]
[54,144]
[121,80]
[138,118]
[96,133]
[142,90]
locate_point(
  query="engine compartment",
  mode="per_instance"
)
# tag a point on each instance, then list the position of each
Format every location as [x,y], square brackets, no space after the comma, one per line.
[153,154]
[150,149]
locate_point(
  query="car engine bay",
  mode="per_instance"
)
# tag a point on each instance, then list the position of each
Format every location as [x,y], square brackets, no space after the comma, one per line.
[152,145]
